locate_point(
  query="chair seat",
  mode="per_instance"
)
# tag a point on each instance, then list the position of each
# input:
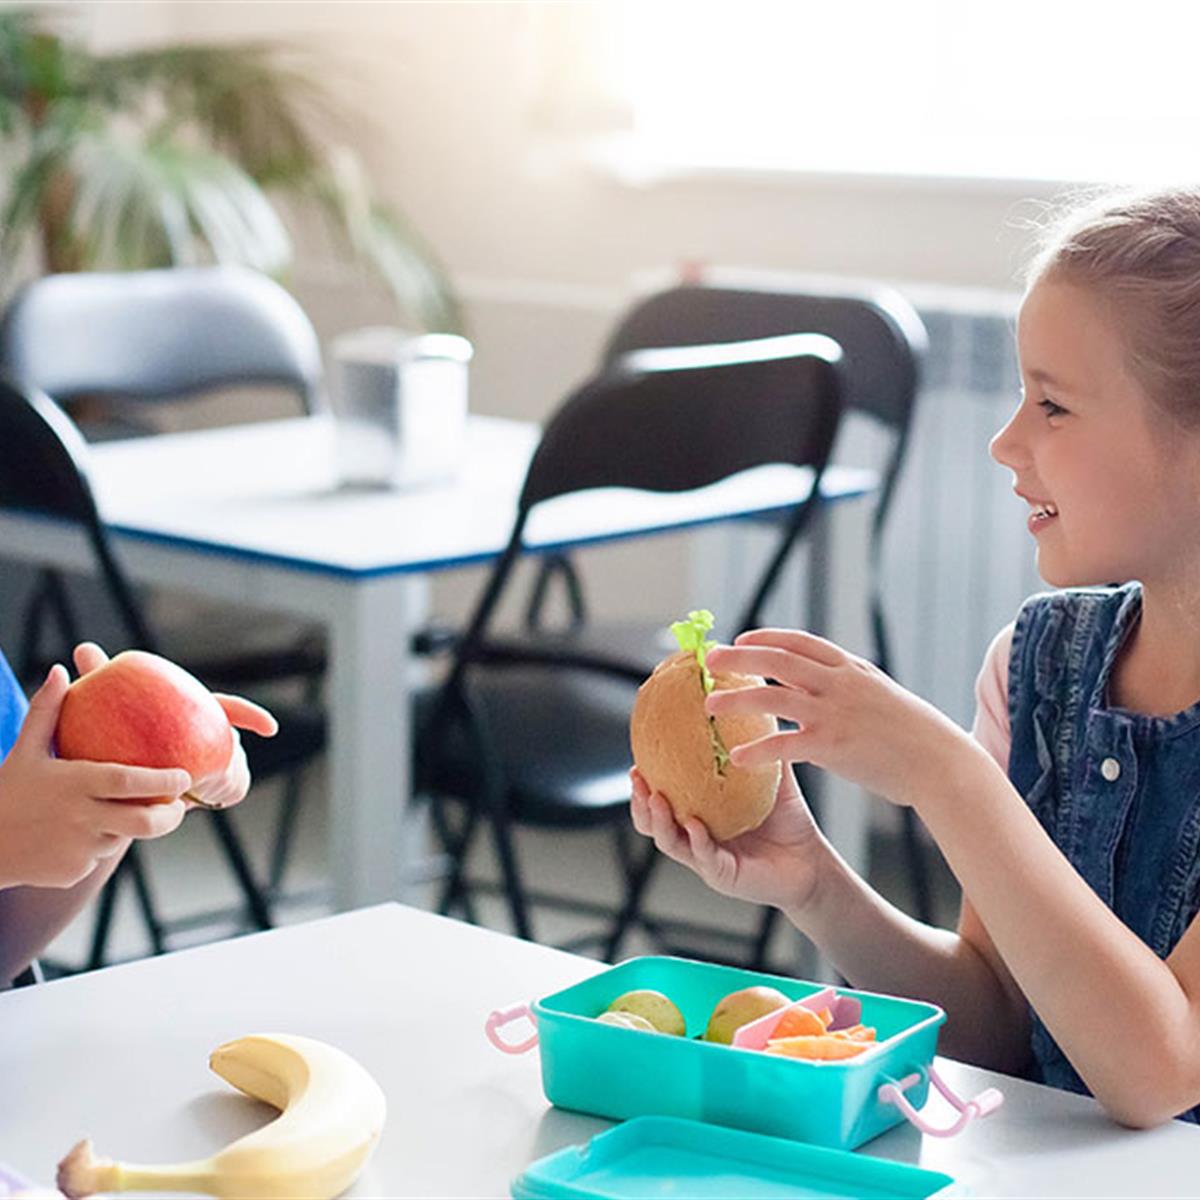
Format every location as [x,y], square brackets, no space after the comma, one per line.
[576,774]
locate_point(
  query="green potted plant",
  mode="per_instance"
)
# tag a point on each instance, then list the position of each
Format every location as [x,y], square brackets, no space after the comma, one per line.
[181,154]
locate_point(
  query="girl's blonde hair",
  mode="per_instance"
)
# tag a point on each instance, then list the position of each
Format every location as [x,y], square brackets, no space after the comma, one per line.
[1140,253]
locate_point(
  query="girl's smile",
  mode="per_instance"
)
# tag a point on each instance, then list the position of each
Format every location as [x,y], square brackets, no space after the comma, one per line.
[1043,513]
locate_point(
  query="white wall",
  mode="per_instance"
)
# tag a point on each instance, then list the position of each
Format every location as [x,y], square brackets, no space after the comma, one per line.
[444,101]
[443,95]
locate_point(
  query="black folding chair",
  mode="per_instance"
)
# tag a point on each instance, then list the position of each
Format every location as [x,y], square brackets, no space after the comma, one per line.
[535,733]
[43,469]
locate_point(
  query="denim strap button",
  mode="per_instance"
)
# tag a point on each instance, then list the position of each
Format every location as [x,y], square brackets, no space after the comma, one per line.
[1111,770]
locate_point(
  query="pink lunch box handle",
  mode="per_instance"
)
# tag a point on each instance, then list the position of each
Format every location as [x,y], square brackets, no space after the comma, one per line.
[501,1017]
[982,1105]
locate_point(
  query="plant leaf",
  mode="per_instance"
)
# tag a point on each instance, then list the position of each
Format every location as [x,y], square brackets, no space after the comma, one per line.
[242,98]
[46,156]
[159,203]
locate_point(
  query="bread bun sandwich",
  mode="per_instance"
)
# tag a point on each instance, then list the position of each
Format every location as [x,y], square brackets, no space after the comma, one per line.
[682,752]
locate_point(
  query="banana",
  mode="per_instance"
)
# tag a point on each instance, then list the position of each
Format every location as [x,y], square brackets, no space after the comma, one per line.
[331,1115]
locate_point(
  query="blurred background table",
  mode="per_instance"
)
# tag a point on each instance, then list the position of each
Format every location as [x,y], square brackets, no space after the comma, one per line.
[121,1055]
[253,514]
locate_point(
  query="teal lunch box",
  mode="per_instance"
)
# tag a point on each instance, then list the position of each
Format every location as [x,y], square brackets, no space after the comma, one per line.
[617,1072]
[671,1157]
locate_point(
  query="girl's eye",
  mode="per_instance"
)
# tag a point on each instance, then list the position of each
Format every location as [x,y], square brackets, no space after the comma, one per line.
[1050,408]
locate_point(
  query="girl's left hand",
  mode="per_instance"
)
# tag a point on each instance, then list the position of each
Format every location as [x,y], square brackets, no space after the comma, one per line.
[230,785]
[851,718]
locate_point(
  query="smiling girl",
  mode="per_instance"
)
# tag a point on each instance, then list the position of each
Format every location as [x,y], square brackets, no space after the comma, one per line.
[1071,816]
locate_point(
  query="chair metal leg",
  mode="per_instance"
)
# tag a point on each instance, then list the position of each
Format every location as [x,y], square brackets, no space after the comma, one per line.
[141,887]
[456,890]
[637,880]
[131,866]
[762,939]
[289,811]
[506,852]
[256,902]
[812,786]
[103,921]
[31,629]
[31,976]
[289,807]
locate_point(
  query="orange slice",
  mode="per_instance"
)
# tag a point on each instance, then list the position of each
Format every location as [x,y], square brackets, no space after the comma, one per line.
[823,1047]
[797,1022]
[855,1033]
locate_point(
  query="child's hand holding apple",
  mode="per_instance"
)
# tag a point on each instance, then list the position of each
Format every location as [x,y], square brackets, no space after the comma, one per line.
[61,817]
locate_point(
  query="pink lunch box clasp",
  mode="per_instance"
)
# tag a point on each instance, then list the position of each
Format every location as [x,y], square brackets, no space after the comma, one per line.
[501,1017]
[982,1105]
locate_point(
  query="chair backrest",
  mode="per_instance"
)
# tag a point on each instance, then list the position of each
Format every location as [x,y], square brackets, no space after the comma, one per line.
[882,337]
[672,420]
[155,335]
[43,469]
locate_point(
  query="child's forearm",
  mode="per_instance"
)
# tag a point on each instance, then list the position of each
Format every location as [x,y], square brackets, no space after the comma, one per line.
[1115,1008]
[879,948]
[32,917]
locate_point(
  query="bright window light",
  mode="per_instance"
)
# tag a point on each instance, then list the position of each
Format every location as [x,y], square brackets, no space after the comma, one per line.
[1024,89]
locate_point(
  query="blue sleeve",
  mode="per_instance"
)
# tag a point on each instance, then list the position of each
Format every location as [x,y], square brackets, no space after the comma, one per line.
[12,707]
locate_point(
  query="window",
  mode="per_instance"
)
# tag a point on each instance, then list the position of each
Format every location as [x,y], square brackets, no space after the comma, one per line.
[1025,89]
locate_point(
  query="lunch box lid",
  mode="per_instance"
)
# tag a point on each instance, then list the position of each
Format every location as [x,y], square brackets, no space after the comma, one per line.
[672,1156]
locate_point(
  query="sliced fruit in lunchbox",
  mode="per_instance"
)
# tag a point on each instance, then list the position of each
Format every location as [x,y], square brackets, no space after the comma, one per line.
[804,1024]
[754,1035]
[856,1033]
[798,1021]
[626,1020]
[826,1047]
[737,1010]
[660,1012]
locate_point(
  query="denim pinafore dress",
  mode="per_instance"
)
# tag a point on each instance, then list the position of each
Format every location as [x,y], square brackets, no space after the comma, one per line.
[1117,791]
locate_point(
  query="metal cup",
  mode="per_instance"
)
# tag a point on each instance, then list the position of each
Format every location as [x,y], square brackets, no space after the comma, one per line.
[400,403]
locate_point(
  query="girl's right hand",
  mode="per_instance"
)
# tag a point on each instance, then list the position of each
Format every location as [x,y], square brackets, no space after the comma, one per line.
[775,864]
[60,819]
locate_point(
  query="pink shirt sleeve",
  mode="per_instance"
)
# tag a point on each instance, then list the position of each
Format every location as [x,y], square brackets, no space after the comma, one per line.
[991,729]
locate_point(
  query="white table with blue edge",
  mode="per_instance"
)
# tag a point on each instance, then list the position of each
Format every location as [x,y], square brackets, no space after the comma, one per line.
[120,1055]
[252,514]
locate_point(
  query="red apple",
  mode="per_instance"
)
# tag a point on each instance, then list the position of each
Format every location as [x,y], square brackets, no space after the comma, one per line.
[144,711]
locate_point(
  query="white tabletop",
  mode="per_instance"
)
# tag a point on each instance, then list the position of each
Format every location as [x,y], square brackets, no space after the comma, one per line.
[121,1056]
[270,491]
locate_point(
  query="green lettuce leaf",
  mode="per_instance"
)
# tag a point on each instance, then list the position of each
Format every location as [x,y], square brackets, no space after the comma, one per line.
[690,635]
